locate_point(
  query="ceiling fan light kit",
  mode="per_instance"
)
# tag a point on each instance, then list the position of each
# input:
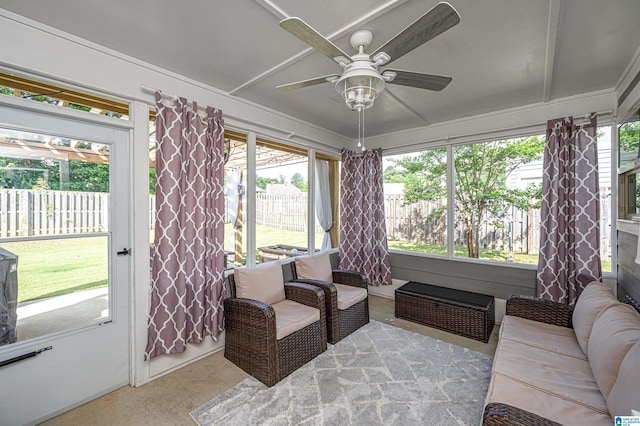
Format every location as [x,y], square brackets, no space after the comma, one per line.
[361,81]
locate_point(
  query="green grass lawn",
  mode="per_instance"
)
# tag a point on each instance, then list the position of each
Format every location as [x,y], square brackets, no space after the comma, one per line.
[55,267]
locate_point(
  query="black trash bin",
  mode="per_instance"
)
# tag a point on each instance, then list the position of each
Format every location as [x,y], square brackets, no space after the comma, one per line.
[8,296]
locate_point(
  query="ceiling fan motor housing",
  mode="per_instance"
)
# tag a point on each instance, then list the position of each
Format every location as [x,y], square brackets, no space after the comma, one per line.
[360,83]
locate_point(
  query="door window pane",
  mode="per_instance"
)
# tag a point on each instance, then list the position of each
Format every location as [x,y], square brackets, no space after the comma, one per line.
[54,224]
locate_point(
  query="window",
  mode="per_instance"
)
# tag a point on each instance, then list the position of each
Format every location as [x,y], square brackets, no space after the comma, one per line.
[497,196]
[415,192]
[629,143]
[235,176]
[281,201]
[497,190]
[13,85]
[629,167]
[328,192]
[54,231]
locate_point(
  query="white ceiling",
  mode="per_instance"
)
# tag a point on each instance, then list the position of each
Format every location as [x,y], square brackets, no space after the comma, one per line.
[503,53]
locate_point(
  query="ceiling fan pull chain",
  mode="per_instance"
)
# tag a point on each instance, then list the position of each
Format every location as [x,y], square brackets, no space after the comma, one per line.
[362,112]
[359,127]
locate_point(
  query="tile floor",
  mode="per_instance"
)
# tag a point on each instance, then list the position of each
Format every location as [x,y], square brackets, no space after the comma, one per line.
[169,399]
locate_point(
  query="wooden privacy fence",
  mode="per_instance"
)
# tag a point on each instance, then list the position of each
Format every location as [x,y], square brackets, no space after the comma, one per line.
[40,212]
[276,211]
[25,213]
[414,222]
[283,211]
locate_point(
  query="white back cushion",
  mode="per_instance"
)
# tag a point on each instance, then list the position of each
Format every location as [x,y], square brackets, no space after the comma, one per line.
[316,267]
[263,282]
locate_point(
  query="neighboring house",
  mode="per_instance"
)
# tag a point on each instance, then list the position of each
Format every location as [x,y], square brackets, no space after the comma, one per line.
[282,189]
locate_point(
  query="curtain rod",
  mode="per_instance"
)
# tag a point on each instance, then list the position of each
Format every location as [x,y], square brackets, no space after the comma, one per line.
[288,134]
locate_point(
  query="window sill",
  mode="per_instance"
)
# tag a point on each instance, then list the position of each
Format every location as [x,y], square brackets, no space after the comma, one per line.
[495,263]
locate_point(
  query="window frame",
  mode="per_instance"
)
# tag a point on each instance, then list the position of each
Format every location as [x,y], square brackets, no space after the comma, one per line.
[503,135]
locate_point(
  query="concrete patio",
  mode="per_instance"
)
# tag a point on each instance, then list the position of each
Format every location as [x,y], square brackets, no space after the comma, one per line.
[55,314]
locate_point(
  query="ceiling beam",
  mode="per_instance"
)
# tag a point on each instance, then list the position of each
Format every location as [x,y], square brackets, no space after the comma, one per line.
[386,7]
[553,24]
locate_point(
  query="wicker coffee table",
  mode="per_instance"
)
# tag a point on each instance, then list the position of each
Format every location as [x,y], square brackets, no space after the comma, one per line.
[461,312]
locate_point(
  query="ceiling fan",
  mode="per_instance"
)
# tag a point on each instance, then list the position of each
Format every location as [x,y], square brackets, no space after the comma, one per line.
[361,81]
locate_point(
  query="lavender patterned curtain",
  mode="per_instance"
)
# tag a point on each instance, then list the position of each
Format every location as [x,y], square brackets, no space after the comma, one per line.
[570,228]
[363,231]
[188,290]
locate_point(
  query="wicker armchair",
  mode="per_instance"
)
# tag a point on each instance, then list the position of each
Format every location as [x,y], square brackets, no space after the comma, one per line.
[251,334]
[340,322]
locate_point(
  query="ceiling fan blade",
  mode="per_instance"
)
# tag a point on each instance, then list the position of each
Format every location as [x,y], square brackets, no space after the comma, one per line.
[431,24]
[313,38]
[307,83]
[416,79]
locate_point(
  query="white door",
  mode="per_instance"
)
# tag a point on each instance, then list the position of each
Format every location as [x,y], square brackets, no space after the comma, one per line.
[64,216]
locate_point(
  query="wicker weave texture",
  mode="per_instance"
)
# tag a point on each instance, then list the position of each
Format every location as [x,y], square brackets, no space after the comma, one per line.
[540,310]
[341,323]
[354,317]
[250,339]
[458,318]
[496,414]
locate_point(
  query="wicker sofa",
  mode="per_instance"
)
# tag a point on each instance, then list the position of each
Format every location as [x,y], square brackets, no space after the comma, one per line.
[556,364]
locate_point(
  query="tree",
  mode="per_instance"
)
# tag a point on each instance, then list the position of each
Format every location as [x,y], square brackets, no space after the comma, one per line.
[298,181]
[25,173]
[481,172]
[262,182]
[629,136]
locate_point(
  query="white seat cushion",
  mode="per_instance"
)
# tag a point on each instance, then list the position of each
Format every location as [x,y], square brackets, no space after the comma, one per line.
[550,337]
[349,295]
[293,316]
[556,386]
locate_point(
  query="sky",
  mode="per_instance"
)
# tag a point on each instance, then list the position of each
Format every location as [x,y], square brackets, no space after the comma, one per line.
[288,170]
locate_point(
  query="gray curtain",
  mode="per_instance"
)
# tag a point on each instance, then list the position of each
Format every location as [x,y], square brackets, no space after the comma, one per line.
[569,256]
[323,202]
[187,291]
[363,230]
